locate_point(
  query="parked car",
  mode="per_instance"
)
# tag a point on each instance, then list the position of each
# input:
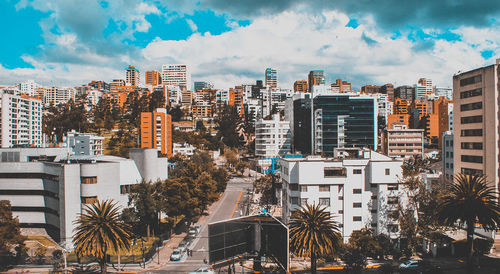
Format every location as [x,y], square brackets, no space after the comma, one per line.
[203,270]
[192,232]
[176,255]
[418,266]
[182,246]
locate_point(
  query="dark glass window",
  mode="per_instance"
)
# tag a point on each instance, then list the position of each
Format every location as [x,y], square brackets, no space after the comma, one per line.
[356,205]
[472,119]
[334,172]
[471,132]
[471,93]
[471,80]
[356,171]
[471,106]
[471,145]
[472,159]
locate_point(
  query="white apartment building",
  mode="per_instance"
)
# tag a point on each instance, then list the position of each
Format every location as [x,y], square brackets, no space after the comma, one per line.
[20,121]
[272,137]
[29,87]
[47,190]
[57,95]
[84,143]
[447,154]
[444,91]
[176,75]
[359,187]
[132,76]
[184,149]
[403,142]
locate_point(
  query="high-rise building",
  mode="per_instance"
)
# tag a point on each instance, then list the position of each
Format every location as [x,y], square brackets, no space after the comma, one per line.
[359,188]
[58,95]
[272,137]
[423,89]
[132,76]
[315,78]
[271,77]
[389,90]
[341,86]
[476,129]
[20,121]
[116,83]
[300,86]
[340,120]
[447,154]
[153,78]
[444,91]
[400,141]
[29,87]
[405,92]
[176,75]
[236,99]
[156,131]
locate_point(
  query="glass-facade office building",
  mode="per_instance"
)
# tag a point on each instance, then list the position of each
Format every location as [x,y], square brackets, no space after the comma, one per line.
[339,121]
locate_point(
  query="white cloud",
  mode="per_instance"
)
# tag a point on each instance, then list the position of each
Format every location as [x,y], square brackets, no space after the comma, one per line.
[192,25]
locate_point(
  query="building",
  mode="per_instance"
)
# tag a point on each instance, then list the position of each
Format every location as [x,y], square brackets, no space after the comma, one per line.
[29,87]
[271,77]
[236,99]
[132,76]
[445,92]
[48,190]
[401,106]
[57,95]
[116,83]
[405,92]
[398,118]
[389,90]
[447,155]
[99,85]
[156,131]
[340,120]
[84,143]
[476,128]
[315,78]
[300,86]
[272,137]
[370,89]
[183,149]
[176,75]
[153,78]
[428,88]
[359,187]
[341,86]
[202,85]
[20,121]
[400,141]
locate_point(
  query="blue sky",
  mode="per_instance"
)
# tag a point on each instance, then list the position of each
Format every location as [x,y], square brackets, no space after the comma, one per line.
[64,42]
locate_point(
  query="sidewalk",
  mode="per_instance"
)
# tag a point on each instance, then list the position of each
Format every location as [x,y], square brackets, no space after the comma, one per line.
[165,252]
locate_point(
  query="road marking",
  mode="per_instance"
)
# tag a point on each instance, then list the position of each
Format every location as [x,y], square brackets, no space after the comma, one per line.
[237,203]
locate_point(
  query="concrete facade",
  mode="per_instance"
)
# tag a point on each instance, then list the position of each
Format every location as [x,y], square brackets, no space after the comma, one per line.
[400,141]
[272,137]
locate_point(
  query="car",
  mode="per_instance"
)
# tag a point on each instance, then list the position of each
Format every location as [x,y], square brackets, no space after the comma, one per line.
[418,266]
[182,246]
[203,270]
[192,232]
[176,255]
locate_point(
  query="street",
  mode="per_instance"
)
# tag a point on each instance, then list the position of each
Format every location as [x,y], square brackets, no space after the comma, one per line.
[228,207]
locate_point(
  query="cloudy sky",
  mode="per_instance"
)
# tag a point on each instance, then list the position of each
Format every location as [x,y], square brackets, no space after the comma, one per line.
[231,42]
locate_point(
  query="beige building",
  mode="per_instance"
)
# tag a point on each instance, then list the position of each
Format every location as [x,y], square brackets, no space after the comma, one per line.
[400,141]
[476,129]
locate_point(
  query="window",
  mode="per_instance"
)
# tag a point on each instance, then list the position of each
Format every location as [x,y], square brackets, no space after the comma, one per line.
[472,119]
[471,132]
[387,171]
[356,191]
[373,224]
[356,171]
[295,200]
[373,211]
[341,211]
[356,218]
[356,205]
[303,201]
[471,145]
[393,187]
[471,171]
[341,197]
[303,188]
[472,159]
[89,180]
[324,201]
[471,106]
[392,200]
[373,185]
[294,187]
[374,197]
[324,188]
[471,80]
[334,172]
[124,189]
[89,200]
[471,93]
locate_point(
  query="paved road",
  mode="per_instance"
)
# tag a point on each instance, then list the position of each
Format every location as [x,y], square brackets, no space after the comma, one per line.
[230,206]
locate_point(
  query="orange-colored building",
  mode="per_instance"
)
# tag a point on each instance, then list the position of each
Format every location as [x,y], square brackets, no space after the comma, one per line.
[300,86]
[398,118]
[202,110]
[156,131]
[118,98]
[401,106]
[422,109]
[153,78]
[236,99]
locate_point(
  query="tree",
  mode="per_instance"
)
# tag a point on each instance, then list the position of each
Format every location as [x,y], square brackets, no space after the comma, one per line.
[123,140]
[264,186]
[40,253]
[144,199]
[231,156]
[313,233]
[10,234]
[228,124]
[470,201]
[99,229]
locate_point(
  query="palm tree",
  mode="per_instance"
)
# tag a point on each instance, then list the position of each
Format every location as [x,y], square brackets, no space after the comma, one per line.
[470,201]
[99,229]
[313,233]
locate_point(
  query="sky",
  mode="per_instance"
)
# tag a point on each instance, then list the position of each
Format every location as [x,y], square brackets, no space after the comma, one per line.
[228,43]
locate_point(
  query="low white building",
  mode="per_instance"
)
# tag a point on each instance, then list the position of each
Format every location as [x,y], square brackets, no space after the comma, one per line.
[84,143]
[184,149]
[47,190]
[359,187]
[272,137]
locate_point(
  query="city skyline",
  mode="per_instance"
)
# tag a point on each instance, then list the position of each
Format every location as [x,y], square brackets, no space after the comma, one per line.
[231,44]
